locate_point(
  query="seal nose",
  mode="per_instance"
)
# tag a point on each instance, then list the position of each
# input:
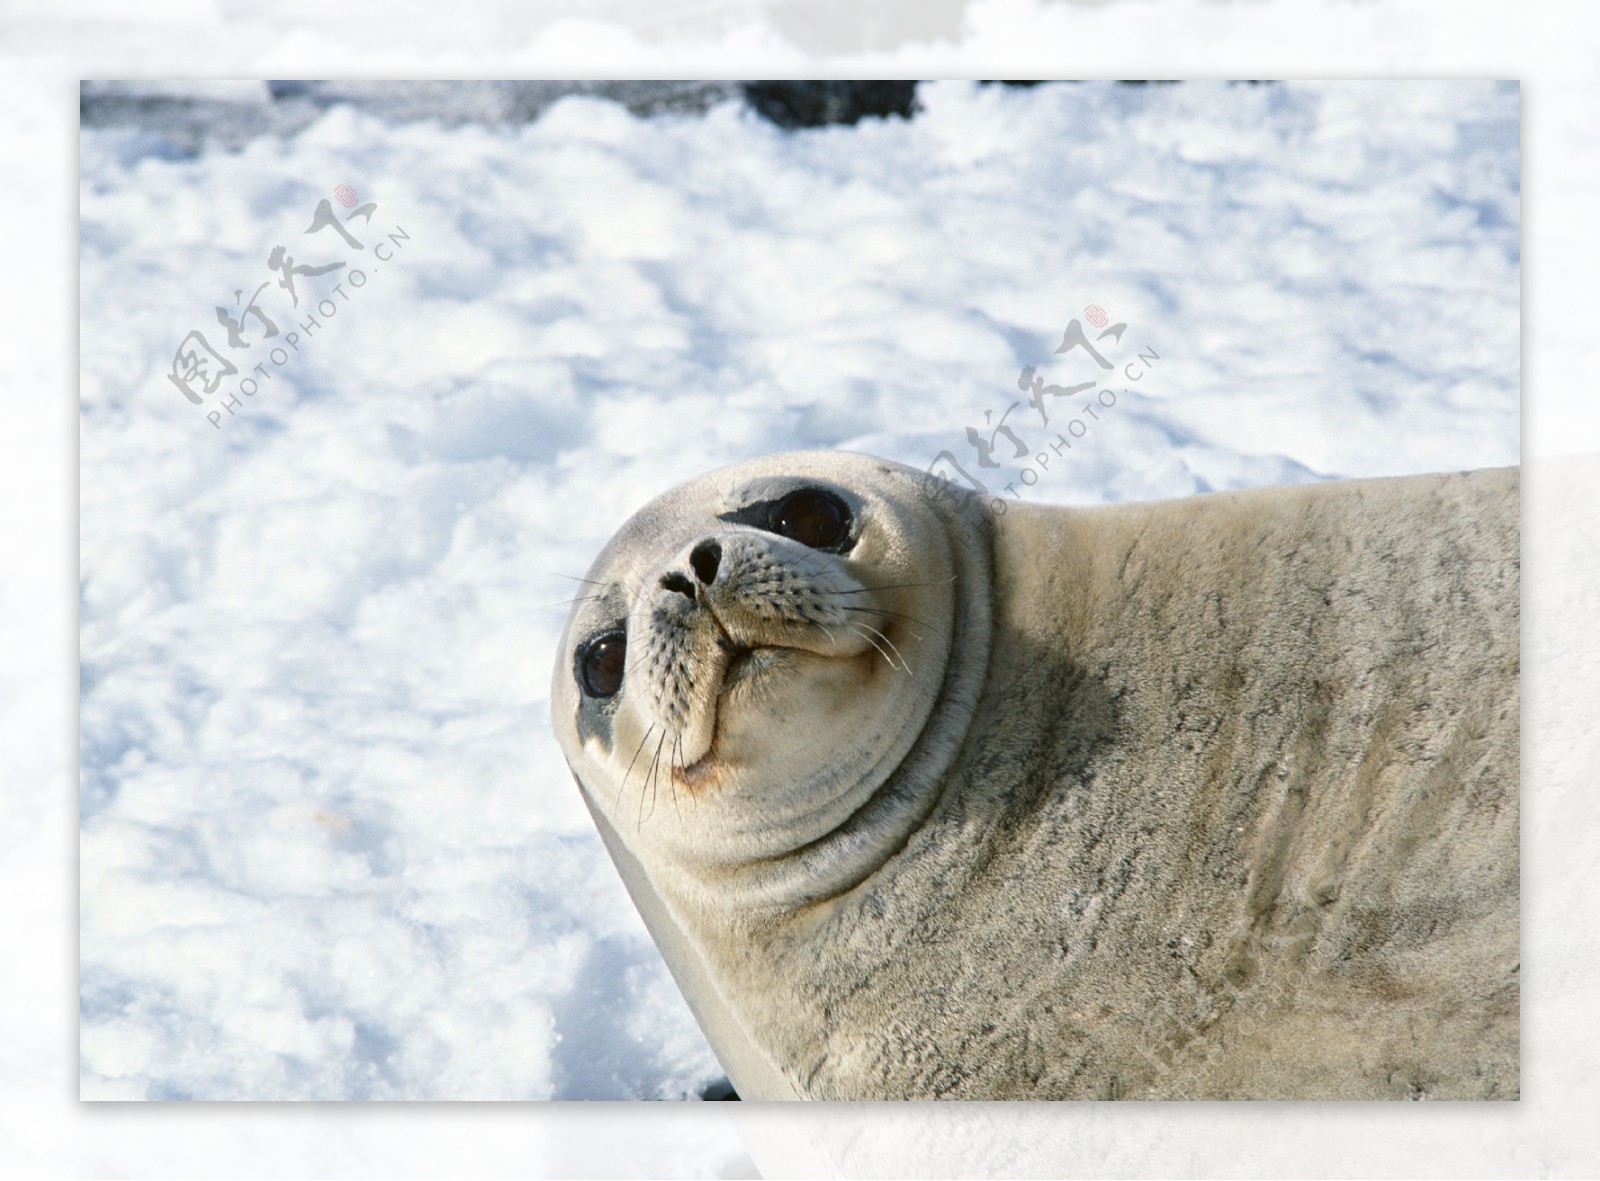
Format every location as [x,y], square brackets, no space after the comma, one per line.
[705,558]
[677,582]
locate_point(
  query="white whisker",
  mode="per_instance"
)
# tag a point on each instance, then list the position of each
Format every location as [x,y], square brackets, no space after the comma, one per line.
[867,632]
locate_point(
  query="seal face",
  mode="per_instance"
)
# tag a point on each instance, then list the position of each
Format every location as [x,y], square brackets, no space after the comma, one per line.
[1210,798]
[761,653]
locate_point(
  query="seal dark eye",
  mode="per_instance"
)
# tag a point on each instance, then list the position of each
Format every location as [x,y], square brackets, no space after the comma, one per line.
[600,664]
[813,518]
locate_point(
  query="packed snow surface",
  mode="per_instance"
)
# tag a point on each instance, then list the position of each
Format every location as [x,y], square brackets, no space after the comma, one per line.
[329,847]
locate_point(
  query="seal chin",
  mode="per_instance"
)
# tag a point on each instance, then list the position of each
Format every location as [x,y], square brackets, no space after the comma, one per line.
[706,772]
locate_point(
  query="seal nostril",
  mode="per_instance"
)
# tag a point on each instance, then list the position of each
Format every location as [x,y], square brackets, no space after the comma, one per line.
[705,559]
[677,582]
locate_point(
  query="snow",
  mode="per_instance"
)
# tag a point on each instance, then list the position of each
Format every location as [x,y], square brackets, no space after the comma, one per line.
[329,847]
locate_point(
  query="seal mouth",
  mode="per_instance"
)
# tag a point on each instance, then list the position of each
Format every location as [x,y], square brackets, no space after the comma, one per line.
[744,662]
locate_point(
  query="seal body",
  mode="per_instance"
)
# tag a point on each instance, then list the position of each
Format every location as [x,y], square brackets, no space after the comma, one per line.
[1213,798]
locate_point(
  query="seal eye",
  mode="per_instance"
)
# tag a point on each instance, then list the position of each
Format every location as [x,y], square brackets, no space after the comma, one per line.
[600,664]
[812,518]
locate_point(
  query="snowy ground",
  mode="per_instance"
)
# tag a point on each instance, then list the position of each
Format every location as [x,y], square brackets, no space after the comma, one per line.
[329,848]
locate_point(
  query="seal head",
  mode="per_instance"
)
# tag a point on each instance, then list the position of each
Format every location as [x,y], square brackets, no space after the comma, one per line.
[774,666]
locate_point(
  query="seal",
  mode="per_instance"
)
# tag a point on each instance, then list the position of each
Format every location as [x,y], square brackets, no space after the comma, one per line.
[1209,798]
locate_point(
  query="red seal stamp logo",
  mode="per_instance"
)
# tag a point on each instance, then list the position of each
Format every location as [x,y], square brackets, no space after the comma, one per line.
[1096,315]
[346,195]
